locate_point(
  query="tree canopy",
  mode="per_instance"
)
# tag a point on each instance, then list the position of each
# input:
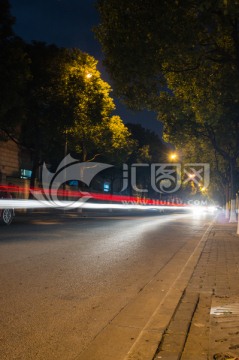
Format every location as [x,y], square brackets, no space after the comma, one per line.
[54,100]
[150,147]
[69,109]
[144,41]
[180,58]
[14,73]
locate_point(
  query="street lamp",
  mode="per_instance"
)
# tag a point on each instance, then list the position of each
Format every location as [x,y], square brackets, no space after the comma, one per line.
[173,156]
[88,75]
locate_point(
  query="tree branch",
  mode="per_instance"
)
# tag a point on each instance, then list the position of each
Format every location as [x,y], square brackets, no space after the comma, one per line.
[93,157]
[212,137]
[11,137]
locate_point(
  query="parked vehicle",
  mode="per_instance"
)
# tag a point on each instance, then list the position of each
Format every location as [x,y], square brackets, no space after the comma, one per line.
[6,214]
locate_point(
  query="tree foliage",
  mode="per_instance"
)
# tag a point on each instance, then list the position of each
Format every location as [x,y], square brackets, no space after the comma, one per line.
[180,58]
[42,128]
[92,131]
[120,142]
[150,147]
[69,109]
[55,97]
[14,73]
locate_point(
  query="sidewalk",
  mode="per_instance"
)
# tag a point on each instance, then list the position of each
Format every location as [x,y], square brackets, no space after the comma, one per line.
[212,329]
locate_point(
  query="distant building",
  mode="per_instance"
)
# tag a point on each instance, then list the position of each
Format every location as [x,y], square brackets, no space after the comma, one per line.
[15,165]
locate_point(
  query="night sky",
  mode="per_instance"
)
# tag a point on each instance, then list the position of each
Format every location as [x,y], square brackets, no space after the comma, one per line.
[69,23]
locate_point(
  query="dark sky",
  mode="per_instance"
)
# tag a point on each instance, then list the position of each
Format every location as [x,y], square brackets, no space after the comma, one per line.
[69,23]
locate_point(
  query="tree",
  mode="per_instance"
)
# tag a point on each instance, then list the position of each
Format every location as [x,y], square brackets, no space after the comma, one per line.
[181,59]
[150,147]
[42,130]
[205,109]
[93,132]
[14,74]
[120,142]
[69,109]
[198,150]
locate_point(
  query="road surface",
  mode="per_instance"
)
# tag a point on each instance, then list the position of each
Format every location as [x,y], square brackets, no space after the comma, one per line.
[65,279]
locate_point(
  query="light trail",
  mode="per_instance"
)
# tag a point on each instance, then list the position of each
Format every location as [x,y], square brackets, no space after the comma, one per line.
[53,196]
[33,204]
[83,199]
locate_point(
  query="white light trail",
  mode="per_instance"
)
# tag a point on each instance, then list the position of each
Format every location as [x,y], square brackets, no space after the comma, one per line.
[34,204]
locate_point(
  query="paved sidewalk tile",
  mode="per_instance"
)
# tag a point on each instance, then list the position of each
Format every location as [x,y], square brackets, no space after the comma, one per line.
[214,332]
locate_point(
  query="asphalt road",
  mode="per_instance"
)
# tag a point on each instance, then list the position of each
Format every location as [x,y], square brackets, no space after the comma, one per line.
[64,279]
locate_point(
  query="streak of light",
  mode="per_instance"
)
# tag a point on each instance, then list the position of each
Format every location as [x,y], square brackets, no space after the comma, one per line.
[31,204]
[54,195]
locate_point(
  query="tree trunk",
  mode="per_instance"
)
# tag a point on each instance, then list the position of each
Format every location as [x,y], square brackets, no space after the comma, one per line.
[227,213]
[35,167]
[237,215]
[233,217]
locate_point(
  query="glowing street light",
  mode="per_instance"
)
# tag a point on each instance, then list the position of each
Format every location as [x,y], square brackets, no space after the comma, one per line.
[88,75]
[173,156]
